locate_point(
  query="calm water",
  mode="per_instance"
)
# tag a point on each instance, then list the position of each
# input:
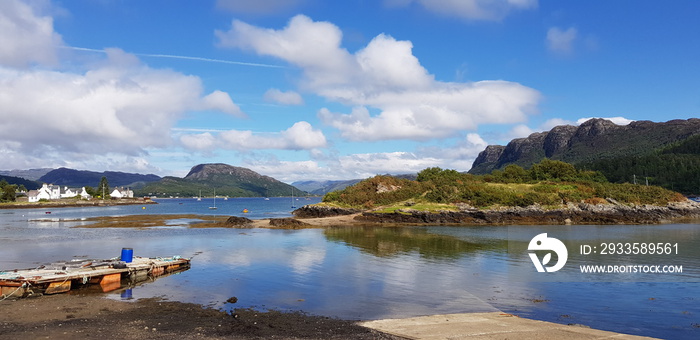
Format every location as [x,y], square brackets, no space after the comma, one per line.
[372,273]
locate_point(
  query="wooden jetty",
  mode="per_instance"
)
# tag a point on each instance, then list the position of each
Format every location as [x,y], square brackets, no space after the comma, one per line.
[61,277]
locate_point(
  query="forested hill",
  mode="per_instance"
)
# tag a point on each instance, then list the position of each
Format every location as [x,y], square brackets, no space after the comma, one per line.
[665,154]
[225,179]
[29,185]
[80,178]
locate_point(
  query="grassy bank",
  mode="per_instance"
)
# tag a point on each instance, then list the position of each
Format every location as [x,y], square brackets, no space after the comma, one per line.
[547,184]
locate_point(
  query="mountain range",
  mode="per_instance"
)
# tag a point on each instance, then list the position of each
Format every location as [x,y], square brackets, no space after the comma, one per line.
[665,154]
[31,174]
[80,178]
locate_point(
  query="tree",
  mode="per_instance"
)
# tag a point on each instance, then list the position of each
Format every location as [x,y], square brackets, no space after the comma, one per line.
[548,169]
[7,191]
[91,191]
[514,174]
[103,188]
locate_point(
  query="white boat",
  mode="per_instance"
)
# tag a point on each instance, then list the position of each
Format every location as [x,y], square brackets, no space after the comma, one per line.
[214,207]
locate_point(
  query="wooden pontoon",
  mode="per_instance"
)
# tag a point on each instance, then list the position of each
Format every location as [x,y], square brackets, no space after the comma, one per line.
[108,274]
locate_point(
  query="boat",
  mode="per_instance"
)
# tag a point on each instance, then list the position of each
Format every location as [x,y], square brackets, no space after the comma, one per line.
[200,196]
[214,207]
[107,275]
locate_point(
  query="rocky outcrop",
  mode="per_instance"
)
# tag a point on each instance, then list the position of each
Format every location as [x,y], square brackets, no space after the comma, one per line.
[235,221]
[558,139]
[535,215]
[594,139]
[487,158]
[316,211]
[287,223]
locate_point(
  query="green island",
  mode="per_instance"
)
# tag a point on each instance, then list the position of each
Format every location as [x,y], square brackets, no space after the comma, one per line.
[549,192]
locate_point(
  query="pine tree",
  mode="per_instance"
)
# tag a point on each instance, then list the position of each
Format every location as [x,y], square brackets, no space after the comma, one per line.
[103,187]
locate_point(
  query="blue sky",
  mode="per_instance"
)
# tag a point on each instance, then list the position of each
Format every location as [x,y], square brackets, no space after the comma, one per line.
[311,89]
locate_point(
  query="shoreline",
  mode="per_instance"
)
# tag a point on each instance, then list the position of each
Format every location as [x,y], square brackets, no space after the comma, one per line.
[73,204]
[74,315]
[571,214]
[323,217]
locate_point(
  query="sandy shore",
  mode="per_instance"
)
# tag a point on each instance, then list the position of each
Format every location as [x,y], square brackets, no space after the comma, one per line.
[318,222]
[75,316]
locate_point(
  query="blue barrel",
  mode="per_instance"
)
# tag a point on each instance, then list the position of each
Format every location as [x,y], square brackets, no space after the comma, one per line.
[127,255]
[126,294]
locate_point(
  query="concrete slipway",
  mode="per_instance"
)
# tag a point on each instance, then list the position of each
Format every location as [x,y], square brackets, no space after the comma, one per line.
[491,325]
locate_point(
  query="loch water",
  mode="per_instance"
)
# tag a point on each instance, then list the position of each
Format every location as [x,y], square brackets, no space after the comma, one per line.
[375,272]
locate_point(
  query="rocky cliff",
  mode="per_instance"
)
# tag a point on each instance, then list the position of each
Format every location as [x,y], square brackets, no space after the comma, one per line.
[593,140]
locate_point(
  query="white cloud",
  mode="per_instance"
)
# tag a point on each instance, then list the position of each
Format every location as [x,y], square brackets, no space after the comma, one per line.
[342,167]
[300,136]
[616,120]
[221,101]
[200,142]
[385,76]
[520,131]
[371,164]
[290,171]
[489,10]
[108,115]
[284,98]
[561,41]
[459,156]
[25,36]
[113,108]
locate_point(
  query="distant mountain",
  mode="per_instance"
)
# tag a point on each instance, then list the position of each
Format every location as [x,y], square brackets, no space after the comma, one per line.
[80,178]
[665,153]
[323,187]
[29,185]
[227,180]
[31,174]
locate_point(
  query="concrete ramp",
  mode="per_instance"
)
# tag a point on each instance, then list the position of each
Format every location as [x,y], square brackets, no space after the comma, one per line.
[493,325]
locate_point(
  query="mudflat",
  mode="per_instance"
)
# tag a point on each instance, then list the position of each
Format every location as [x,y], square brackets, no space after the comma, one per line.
[74,316]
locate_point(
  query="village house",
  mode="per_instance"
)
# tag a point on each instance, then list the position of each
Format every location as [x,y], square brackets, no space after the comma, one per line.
[122,193]
[55,192]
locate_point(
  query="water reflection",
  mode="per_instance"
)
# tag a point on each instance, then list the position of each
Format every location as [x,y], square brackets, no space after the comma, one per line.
[391,242]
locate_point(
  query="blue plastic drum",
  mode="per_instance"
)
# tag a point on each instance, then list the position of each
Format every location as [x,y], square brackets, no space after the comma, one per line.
[127,255]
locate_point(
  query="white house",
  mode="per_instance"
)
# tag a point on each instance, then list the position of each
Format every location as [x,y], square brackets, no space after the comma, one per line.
[122,193]
[69,193]
[84,195]
[54,192]
[32,196]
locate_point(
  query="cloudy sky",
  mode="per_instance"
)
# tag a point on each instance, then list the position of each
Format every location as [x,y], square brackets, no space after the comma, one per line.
[312,89]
